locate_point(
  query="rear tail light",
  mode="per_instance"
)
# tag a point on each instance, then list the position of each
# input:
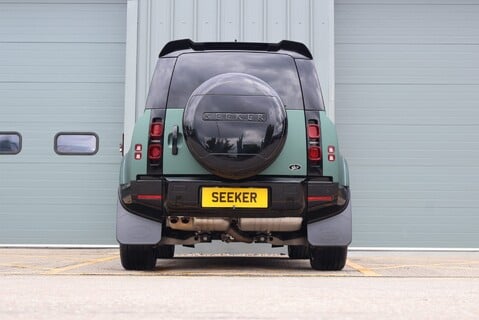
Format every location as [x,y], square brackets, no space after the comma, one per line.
[313,131]
[314,149]
[155,148]
[314,153]
[156,130]
[155,152]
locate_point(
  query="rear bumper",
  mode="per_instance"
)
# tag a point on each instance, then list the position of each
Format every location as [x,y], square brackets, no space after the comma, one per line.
[154,199]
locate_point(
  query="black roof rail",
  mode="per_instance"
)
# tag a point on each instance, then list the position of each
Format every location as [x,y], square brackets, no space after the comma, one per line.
[185,44]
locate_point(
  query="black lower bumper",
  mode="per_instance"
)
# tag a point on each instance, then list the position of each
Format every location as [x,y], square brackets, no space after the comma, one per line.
[287,197]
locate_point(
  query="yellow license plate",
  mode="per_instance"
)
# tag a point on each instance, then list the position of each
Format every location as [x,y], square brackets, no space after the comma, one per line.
[219,197]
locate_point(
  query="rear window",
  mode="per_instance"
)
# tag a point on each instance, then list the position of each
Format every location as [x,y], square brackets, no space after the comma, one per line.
[278,70]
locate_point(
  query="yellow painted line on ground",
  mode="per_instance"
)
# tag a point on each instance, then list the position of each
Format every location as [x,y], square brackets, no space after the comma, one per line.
[428,265]
[22,266]
[80,265]
[367,272]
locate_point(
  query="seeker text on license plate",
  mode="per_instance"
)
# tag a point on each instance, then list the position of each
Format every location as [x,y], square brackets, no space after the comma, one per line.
[218,197]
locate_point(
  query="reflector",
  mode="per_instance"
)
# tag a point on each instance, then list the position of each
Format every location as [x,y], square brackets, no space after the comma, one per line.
[331,157]
[149,197]
[320,198]
[137,155]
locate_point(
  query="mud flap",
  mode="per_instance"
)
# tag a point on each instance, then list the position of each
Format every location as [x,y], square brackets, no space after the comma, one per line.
[132,229]
[334,231]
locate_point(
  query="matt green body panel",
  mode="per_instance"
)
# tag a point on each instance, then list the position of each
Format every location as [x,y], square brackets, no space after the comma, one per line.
[294,150]
[337,169]
[183,162]
[130,167]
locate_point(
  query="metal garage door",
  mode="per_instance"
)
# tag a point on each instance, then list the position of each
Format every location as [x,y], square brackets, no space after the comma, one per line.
[408,114]
[61,70]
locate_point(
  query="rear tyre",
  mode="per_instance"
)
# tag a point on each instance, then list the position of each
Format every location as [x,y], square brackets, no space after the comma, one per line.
[165,251]
[328,258]
[137,257]
[298,252]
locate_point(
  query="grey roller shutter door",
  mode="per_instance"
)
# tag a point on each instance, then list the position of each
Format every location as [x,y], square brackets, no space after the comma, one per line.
[407,91]
[61,70]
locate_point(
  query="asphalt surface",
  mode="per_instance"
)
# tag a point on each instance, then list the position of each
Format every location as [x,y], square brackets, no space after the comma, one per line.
[81,284]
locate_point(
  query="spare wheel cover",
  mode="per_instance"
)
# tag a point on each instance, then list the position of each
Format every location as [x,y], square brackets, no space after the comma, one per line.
[235,125]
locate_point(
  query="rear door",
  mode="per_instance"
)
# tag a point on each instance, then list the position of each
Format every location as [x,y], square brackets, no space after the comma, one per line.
[278,70]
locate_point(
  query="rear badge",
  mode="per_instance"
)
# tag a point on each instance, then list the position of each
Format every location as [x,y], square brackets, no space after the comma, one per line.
[294,167]
[233,116]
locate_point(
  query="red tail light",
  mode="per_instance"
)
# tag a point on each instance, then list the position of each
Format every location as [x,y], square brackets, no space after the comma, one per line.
[155,151]
[156,130]
[314,153]
[313,131]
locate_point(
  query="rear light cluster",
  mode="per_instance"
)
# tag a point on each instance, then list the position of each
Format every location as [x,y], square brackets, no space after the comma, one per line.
[314,151]
[314,145]
[155,148]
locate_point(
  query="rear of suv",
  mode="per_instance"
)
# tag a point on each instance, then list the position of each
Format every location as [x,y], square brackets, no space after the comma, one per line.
[234,145]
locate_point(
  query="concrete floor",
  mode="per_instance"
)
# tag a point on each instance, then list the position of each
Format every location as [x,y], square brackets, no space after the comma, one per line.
[90,283]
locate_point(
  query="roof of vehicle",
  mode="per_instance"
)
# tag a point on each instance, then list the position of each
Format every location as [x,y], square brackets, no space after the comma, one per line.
[176,47]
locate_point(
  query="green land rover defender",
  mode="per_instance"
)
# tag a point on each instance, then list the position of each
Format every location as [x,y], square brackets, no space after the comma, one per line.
[234,145]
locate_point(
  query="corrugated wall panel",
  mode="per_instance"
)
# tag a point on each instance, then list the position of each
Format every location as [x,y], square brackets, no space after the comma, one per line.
[207,21]
[61,69]
[230,27]
[254,26]
[407,90]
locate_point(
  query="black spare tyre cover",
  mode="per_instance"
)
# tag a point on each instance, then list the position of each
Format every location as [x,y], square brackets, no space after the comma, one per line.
[234,125]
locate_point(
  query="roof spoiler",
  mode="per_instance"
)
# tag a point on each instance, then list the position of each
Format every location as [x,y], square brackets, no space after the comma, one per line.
[184,44]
